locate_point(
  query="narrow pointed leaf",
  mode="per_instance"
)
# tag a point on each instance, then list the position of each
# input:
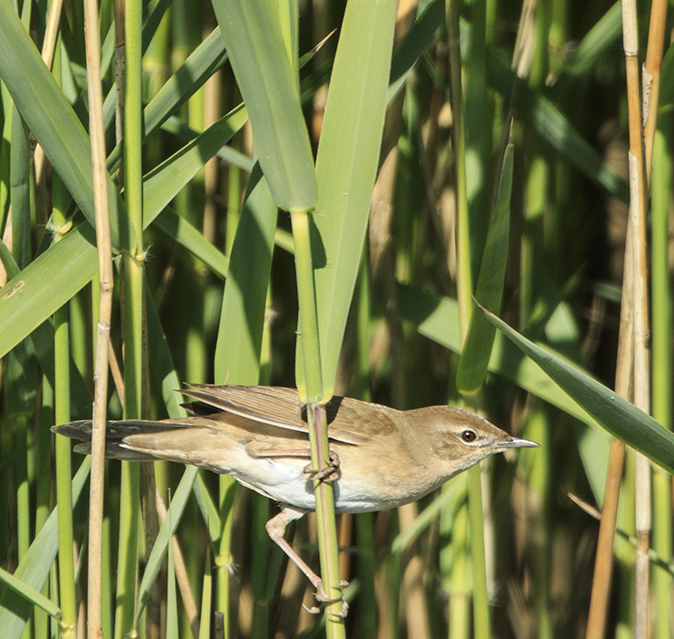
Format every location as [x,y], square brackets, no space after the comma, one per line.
[346,166]
[252,35]
[30,297]
[31,595]
[618,416]
[239,345]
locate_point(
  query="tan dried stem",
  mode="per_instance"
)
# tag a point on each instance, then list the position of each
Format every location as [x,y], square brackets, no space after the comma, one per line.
[100,175]
[634,324]
[48,48]
[181,571]
[651,77]
[641,376]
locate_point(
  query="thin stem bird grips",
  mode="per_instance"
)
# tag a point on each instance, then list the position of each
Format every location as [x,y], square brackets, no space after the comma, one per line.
[311,392]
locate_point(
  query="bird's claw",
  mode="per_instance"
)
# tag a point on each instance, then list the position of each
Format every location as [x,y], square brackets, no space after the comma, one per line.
[342,614]
[323,599]
[329,473]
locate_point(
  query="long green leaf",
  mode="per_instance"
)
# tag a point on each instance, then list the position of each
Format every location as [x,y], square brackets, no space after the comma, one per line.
[164,182]
[618,416]
[160,187]
[413,46]
[252,35]
[29,594]
[346,166]
[54,123]
[598,39]
[239,345]
[182,232]
[43,345]
[32,296]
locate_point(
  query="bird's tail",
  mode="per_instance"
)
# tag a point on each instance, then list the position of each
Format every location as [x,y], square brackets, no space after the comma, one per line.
[115,433]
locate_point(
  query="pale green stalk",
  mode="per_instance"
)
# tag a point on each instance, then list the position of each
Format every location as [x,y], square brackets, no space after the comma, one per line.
[259,563]
[5,149]
[625,553]
[365,521]
[81,348]
[459,583]
[314,397]
[129,491]
[662,373]
[206,595]
[224,559]
[22,484]
[66,573]
[533,245]
[478,139]
[132,314]
[481,613]
[43,486]
[538,475]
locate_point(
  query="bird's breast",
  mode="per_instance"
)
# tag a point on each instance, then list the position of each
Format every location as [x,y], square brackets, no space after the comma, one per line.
[360,488]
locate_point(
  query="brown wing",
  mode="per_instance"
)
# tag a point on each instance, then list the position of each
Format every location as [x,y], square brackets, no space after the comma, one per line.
[349,420]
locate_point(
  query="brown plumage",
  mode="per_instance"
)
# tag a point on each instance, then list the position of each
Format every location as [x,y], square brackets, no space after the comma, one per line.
[259,435]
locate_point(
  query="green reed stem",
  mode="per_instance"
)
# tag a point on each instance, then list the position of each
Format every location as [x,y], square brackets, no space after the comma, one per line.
[481,613]
[66,573]
[132,315]
[662,372]
[314,397]
[43,486]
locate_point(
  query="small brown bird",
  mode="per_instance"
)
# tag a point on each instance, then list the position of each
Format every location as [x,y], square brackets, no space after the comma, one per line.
[383,457]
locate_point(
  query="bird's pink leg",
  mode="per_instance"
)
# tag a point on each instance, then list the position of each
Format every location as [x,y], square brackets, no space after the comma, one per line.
[276,528]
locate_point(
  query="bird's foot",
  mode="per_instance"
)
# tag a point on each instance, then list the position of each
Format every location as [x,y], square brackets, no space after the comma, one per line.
[323,599]
[329,473]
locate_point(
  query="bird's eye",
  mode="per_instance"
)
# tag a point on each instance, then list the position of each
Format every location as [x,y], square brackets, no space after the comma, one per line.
[468,436]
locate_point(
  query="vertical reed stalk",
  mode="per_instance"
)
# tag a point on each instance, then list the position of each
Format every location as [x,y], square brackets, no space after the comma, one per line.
[630,298]
[365,521]
[318,432]
[48,48]
[224,560]
[130,14]
[100,175]
[66,573]
[661,194]
[641,359]
[658,169]
[651,77]
[481,613]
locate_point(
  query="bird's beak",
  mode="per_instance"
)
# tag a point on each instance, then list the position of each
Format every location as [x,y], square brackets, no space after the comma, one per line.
[516,442]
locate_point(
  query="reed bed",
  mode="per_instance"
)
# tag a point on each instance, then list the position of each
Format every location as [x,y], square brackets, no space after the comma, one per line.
[464,203]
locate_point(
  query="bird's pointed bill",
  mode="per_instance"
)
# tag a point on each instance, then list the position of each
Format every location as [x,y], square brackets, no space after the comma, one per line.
[516,442]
